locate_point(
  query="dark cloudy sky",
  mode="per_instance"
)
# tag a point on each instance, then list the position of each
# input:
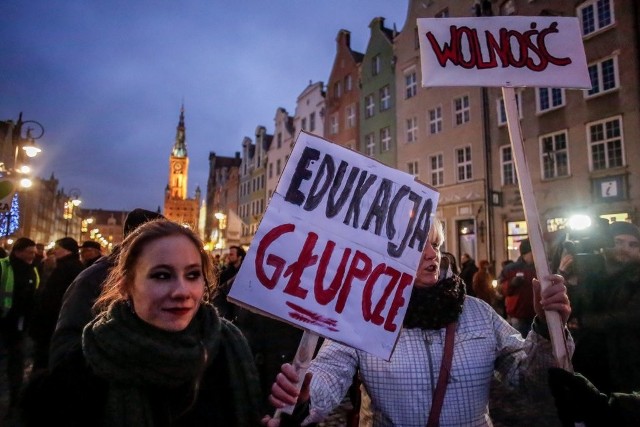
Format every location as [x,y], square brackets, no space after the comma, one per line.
[106,78]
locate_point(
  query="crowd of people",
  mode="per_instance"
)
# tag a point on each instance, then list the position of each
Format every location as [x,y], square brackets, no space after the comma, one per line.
[145,336]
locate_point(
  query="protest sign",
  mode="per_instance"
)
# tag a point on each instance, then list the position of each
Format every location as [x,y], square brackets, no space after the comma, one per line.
[510,51]
[338,246]
[503,51]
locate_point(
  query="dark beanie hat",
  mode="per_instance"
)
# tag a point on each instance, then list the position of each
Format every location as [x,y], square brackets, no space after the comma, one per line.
[525,247]
[91,244]
[69,244]
[622,227]
[137,217]
[23,243]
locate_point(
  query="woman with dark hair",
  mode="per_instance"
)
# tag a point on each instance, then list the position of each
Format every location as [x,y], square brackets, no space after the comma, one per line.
[157,353]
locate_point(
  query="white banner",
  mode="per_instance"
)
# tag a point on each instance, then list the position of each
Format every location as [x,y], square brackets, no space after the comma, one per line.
[503,51]
[338,246]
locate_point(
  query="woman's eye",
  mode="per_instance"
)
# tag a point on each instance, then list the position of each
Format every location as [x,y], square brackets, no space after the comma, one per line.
[194,275]
[160,275]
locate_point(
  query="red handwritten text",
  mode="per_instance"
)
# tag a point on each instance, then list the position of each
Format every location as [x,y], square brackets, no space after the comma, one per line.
[531,53]
[354,267]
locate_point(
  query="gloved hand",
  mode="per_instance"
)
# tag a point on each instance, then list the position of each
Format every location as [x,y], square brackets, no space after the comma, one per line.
[577,400]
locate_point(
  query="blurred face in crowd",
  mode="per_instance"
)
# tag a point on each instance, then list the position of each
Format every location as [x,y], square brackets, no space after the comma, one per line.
[87,254]
[168,283]
[233,257]
[627,247]
[429,268]
[59,251]
[27,255]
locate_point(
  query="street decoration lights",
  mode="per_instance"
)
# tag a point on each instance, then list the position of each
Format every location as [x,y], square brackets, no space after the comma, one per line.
[69,206]
[221,227]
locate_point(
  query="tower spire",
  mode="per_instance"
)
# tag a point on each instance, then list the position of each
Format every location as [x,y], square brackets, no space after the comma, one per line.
[180,145]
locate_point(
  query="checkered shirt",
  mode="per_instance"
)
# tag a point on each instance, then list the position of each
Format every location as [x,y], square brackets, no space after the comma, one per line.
[401,389]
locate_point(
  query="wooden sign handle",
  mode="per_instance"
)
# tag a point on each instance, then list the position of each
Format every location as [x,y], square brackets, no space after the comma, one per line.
[301,363]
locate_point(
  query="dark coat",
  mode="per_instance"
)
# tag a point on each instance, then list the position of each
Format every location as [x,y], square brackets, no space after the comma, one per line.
[76,311]
[49,298]
[72,395]
[273,342]
[467,270]
[608,338]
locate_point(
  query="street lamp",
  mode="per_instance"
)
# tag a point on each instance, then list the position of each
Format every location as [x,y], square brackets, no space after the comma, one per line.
[69,205]
[18,172]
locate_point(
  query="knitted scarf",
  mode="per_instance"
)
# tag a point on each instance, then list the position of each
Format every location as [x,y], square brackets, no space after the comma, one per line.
[134,356]
[435,306]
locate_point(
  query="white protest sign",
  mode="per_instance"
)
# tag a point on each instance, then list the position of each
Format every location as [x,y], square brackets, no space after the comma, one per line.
[503,51]
[8,187]
[338,246]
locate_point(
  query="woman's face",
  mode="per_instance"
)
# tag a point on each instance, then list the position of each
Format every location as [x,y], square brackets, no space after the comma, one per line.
[168,283]
[429,267]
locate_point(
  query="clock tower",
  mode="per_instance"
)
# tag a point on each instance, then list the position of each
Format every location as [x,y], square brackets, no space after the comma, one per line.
[177,207]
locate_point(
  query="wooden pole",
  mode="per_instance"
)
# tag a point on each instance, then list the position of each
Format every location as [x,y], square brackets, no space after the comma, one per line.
[554,321]
[301,363]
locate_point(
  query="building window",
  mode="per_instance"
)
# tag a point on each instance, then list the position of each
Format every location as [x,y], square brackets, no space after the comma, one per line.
[279,138]
[461,110]
[333,124]
[508,168]
[351,116]
[337,89]
[375,65]
[549,98]
[595,15]
[606,143]
[463,163]
[312,122]
[516,232]
[412,129]
[437,170]
[278,167]
[348,83]
[369,106]
[555,156]
[370,144]
[270,170]
[412,168]
[502,112]
[410,84]
[435,120]
[385,139]
[385,98]
[604,76]
[303,124]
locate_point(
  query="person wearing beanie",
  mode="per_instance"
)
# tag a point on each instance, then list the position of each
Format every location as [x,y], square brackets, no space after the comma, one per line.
[90,251]
[137,217]
[76,311]
[19,281]
[49,298]
[608,314]
[516,284]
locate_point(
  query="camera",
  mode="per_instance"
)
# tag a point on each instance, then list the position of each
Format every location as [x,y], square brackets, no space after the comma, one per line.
[591,240]
[587,247]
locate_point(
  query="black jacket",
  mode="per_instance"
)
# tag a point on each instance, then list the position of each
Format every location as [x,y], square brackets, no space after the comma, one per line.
[49,297]
[76,309]
[72,395]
